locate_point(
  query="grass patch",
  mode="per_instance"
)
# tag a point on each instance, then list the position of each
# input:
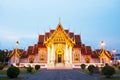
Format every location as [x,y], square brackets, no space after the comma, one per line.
[84,71]
[22,71]
[2,71]
[87,72]
[117,72]
[112,78]
[6,78]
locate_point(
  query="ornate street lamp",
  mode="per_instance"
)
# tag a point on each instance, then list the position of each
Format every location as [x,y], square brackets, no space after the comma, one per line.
[102,43]
[17,43]
[114,51]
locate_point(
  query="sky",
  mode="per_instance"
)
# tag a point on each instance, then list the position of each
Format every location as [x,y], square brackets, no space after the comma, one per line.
[94,20]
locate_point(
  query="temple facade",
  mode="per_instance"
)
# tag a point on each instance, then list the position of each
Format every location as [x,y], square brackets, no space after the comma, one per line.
[60,48]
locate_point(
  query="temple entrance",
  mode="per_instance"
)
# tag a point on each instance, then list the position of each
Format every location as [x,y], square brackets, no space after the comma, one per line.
[59,56]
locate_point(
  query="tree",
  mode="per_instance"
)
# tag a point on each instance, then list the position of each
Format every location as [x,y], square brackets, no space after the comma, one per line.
[91,69]
[13,72]
[83,66]
[4,56]
[108,71]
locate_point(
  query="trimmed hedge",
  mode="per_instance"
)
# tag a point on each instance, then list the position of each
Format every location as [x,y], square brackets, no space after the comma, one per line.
[83,66]
[91,68]
[29,69]
[37,67]
[13,72]
[108,71]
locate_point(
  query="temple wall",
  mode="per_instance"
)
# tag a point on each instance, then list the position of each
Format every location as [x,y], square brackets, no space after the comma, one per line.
[24,60]
[76,50]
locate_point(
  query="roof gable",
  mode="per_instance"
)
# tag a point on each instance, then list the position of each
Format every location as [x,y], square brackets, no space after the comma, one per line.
[59,35]
[106,53]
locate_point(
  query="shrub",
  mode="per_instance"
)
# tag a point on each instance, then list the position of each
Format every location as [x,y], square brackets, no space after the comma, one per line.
[13,72]
[37,67]
[29,69]
[83,66]
[1,66]
[91,68]
[119,67]
[108,71]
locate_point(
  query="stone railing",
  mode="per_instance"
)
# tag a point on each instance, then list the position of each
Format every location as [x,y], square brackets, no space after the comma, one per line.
[87,64]
[42,65]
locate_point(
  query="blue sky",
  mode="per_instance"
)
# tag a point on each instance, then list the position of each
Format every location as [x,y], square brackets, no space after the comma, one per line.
[95,20]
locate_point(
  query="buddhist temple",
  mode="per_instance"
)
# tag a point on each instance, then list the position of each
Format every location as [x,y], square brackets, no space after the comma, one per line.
[62,49]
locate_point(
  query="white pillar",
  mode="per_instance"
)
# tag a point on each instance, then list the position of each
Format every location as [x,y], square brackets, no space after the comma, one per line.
[70,55]
[52,55]
[66,54]
[48,55]
[53,52]
[80,57]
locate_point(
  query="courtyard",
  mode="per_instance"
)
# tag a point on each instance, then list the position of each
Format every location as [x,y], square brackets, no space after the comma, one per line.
[59,75]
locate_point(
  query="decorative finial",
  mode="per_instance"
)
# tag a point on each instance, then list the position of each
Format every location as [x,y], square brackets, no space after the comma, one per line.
[59,20]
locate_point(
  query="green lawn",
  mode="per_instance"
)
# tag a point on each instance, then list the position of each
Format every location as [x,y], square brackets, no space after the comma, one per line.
[22,71]
[112,78]
[117,71]
[2,71]
[85,71]
[103,78]
[6,78]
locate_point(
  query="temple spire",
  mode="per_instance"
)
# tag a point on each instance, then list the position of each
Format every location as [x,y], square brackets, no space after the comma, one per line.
[59,20]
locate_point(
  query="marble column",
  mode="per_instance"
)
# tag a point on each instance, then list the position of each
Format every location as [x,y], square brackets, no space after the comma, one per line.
[66,54]
[48,55]
[80,56]
[70,54]
[52,54]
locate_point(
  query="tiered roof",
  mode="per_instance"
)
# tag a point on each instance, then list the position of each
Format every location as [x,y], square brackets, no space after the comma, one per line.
[86,50]
[77,38]
[98,52]
[17,52]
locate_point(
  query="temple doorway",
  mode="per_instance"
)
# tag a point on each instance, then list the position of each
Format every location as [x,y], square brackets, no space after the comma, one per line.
[59,56]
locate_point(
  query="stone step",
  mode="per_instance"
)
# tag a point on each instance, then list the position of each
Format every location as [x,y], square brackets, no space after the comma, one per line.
[60,65]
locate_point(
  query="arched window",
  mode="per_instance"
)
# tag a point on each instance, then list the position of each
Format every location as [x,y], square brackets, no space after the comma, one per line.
[42,57]
[31,59]
[87,60]
[76,57]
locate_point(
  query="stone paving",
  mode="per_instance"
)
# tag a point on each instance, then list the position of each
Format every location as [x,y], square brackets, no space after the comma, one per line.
[59,75]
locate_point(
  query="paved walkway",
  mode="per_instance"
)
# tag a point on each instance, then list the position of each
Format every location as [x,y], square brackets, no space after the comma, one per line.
[59,75]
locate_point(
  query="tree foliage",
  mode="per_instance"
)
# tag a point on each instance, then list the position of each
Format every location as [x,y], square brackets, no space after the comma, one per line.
[108,71]
[13,72]
[83,66]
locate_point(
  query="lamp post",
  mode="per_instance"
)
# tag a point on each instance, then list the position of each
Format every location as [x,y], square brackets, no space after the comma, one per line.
[114,51]
[102,43]
[17,43]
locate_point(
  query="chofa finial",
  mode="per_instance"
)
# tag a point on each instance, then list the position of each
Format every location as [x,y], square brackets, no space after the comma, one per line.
[59,20]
